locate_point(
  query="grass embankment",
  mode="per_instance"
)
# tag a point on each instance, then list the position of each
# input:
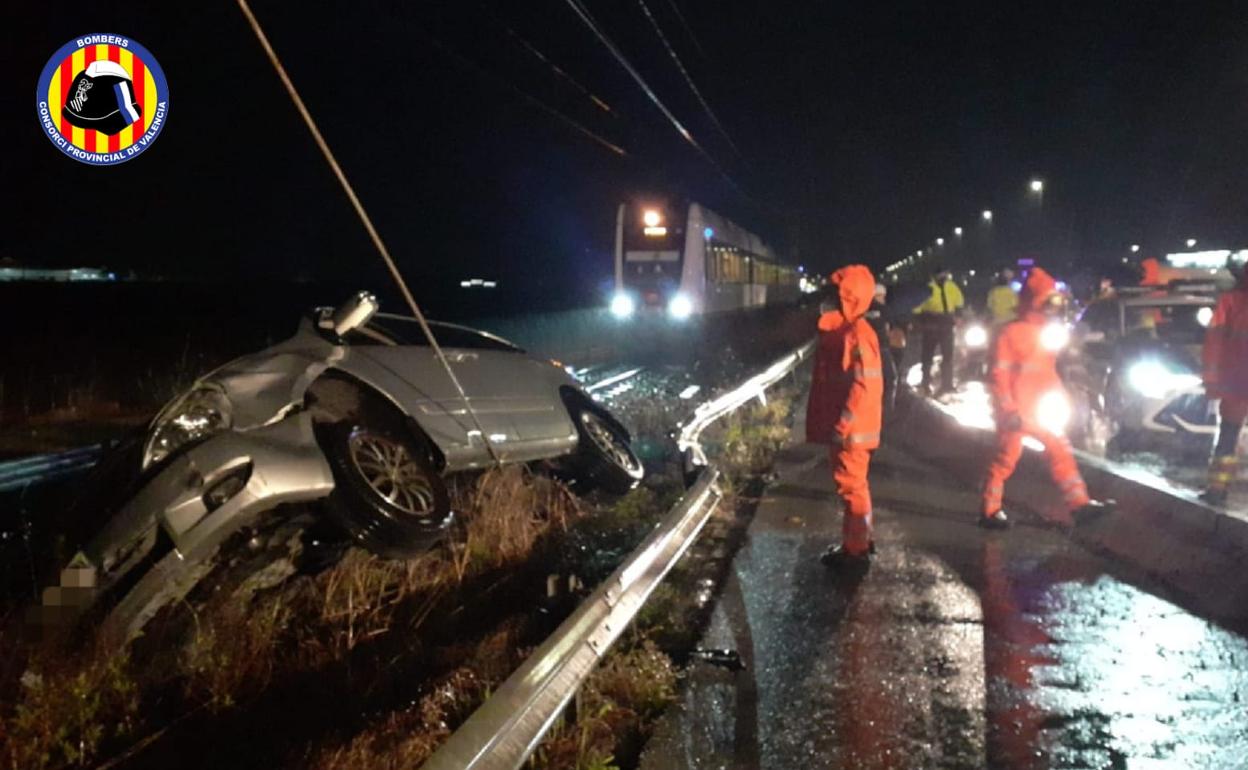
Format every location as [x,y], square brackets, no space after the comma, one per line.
[372,663]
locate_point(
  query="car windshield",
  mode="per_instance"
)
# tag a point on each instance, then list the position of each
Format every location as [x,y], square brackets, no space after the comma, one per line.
[1174,323]
[391,330]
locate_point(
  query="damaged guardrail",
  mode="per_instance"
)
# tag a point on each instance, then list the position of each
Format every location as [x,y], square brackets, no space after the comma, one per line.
[506,729]
[15,474]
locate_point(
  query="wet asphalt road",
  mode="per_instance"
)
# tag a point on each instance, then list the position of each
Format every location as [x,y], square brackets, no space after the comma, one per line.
[960,649]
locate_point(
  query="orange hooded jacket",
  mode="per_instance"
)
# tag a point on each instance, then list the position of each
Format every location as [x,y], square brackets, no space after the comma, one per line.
[1022,368]
[1226,345]
[847,388]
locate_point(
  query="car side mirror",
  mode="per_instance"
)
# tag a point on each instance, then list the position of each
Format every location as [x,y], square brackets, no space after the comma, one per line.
[350,315]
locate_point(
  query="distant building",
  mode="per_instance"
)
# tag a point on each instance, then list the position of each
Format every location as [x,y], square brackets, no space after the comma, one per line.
[10,270]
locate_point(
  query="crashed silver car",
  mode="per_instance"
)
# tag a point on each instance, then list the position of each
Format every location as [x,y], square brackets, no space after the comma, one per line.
[356,411]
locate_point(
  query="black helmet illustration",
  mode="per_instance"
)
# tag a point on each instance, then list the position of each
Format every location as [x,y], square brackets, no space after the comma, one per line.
[102,97]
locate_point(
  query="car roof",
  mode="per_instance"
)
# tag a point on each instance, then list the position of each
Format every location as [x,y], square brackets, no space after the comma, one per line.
[1170,300]
[445,325]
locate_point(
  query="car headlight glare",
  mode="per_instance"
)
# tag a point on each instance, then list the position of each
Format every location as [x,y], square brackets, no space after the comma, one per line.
[1054,336]
[200,413]
[1152,379]
[976,336]
[622,305]
[680,307]
[1053,412]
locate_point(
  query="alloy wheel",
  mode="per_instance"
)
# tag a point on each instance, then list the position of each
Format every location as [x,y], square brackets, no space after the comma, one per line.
[610,443]
[392,472]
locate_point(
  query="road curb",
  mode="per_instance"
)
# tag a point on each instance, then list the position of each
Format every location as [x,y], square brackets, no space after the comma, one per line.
[1194,549]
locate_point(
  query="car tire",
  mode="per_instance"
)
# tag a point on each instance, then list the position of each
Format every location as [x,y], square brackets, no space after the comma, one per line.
[604,458]
[387,495]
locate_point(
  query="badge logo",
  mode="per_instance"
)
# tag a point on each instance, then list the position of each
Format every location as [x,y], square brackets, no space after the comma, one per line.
[102,99]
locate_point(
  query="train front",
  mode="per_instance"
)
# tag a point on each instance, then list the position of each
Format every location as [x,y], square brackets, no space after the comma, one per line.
[649,262]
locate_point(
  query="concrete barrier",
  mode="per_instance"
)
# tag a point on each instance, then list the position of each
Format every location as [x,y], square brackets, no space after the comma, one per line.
[1195,550]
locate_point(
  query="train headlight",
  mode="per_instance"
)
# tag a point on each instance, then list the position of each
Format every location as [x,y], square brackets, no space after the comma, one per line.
[680,307]
[976,336]
[622,305]
[651,218]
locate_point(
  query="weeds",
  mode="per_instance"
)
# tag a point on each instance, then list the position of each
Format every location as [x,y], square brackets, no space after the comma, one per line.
[70,708]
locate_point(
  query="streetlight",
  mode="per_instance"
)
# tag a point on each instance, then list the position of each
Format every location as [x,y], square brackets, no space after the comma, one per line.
[1135,248]
[986,215]
[1037,186]
[957,231]
[919,253]
[940,241]
[1191,242]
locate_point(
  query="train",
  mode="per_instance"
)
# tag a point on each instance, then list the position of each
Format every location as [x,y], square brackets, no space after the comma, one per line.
[682,260]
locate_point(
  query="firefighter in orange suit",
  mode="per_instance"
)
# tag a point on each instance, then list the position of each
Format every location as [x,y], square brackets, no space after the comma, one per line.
[1226,378]
[844,410]
[1024,384]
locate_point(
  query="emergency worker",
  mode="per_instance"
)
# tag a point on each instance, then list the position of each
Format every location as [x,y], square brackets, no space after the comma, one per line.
[1024,384]
[844,409]
[884,331]
[1225,359]
[1002,299]
[938,315]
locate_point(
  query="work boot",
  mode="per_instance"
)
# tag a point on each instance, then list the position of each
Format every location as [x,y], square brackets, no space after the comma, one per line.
[840,560]
[997,520]
[1092,511]
[1215,496]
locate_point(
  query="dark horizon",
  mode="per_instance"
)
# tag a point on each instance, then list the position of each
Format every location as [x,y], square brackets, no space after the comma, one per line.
[860,134]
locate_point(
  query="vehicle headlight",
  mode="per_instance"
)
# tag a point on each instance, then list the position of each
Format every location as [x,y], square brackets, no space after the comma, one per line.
[1053,412]
[680,307]
[200,413]
[1204,316]
[622,305]
[1152,379]
[976,336]
[1054,336]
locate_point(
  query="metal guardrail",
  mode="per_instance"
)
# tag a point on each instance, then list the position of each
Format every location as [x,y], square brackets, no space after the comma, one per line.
[36,469]
[505,730]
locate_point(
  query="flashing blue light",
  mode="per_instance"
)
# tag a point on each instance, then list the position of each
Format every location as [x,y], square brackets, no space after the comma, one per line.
[801,268]
[708,233]
[1061,286]
[1017,286]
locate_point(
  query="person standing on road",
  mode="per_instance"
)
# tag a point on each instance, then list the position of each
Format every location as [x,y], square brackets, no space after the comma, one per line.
[1002,299]
[1225,359]
[883,331]
[938,316]
[844,408]
[1023,379]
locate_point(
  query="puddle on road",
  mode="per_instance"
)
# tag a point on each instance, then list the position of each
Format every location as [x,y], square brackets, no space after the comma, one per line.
[1102,674]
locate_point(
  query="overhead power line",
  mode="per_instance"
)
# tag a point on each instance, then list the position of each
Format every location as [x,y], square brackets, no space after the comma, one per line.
[560,73]
[581,11]
[688,78]
[526,96]
[688,29]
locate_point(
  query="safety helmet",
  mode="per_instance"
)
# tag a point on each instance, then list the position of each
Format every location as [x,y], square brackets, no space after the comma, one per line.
[101,97]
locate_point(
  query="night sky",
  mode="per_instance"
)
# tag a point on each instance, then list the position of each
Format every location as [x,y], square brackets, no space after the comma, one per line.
[855,132]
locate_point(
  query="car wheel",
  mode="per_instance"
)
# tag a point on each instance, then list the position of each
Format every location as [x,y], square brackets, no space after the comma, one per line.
[386,495]
[604,457]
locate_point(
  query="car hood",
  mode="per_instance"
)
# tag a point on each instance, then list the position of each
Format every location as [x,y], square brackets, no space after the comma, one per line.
[263,386]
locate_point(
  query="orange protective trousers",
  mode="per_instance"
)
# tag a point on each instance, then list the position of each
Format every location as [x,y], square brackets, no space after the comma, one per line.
[849,470]
[1061,465]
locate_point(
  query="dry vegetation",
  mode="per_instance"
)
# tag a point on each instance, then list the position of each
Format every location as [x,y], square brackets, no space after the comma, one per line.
[61,710]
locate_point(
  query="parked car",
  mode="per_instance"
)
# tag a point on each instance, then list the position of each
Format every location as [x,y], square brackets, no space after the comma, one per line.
[354,411]
[1134,371]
